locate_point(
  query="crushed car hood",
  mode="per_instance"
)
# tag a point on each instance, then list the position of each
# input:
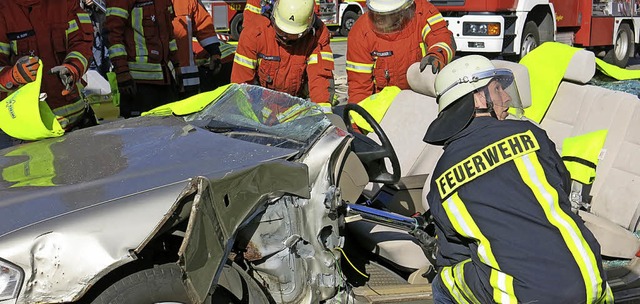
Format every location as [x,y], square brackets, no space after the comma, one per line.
[49,178]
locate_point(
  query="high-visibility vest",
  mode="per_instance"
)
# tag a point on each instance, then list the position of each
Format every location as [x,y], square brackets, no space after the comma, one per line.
[377,105]
[581,155]
[24,116]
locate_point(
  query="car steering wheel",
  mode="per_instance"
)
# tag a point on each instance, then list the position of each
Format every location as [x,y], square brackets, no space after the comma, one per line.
[370,153]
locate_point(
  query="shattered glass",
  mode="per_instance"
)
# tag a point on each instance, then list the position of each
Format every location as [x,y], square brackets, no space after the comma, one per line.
[628,86]
[264,116]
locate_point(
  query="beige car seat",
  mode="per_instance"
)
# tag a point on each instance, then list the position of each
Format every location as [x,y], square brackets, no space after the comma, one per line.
[577,109]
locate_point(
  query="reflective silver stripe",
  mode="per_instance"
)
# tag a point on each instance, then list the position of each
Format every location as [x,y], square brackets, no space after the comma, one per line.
[189,38]
[189,69]
[245,61]
[312,59]
[117,50]
[173,45]
[73,26]
[191,81]
[253,9]
[533,175]
[138,35]
[84,18]
[119,12]
[327,56]
[435,19]
[146,75]
[5,48]
[147,67]
[79,56]
[209,41]
[226,50]
[359,67]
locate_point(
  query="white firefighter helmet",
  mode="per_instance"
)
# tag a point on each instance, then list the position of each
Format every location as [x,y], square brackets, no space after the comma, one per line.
[387,6]
[454,85]
[293,17]
[389,16]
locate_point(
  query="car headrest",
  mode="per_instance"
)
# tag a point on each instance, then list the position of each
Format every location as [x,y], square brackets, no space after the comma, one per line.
[521,75]
[582,67]
[423,83]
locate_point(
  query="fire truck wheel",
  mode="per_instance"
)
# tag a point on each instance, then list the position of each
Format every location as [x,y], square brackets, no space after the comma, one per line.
[623,47]
[530,38]
[348,20]
[236,26]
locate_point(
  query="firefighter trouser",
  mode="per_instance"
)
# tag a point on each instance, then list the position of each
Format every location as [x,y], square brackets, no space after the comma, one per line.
[147,97]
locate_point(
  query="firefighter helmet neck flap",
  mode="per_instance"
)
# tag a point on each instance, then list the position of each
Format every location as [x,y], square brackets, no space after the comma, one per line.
[292,19]
[455,86]
[388,16]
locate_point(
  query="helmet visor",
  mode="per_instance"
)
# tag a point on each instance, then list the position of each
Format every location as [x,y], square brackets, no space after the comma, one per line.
[390,22]
[503,92]
[501,87]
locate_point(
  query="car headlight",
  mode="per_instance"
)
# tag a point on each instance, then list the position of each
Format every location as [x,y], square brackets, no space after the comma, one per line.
[480,29]
[10,280]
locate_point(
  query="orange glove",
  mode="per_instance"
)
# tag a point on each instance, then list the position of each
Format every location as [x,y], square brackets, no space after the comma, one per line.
[23,72]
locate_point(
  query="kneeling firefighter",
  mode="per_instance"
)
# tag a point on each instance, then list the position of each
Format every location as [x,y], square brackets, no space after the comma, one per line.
[499,198]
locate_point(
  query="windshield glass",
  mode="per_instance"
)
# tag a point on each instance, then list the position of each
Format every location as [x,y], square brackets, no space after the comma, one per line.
[263,116]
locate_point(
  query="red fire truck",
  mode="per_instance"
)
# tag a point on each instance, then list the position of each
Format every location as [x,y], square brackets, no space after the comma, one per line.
[514,27]
[337,14]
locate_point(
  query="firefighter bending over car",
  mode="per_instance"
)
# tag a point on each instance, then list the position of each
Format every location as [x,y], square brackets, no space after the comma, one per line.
[143,53]
[193,20]
[288,53]
[499,197]
[390,37]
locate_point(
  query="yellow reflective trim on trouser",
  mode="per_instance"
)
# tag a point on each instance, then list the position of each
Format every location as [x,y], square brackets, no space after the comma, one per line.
[464,224]
[79,56]
[117,50]
[365,68]
[173,46]
[435,19]
[5,48]
[534,176]
[326,56]
[73,26]
[458,271]
[116,11]
[145,67]
[138,75]
[226,50]
[446,274]
[84,18]
[425,31]
[446,48]
[138,35]
[245,61]
[312,59]
[253,9]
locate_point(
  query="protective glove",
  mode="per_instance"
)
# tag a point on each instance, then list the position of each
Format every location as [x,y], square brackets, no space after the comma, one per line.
[214,63]
[433,60]
[68,76]
[22,72]
[127,88]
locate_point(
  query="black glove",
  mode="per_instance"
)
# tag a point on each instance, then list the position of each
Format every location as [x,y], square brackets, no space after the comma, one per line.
[433,60]
[127,88]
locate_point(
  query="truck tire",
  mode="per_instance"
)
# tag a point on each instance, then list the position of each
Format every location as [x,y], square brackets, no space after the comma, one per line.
[623,47]
[163,283]
[236,26]
[348,20]
[530,38]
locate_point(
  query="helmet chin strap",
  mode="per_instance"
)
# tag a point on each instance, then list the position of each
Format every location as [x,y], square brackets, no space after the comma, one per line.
[489,108]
